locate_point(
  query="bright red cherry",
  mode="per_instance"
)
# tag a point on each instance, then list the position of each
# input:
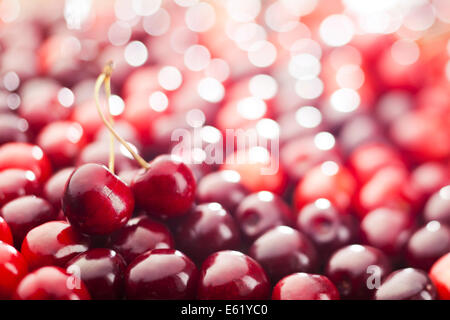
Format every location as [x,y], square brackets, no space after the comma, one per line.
[53,189]
[438,206]
[387,229]
[326,226]
[161,274]
[13,268]
[13,129]
[304,286]
[282,251]
[62,141]
[16,155]
[224,187]
[356,270]
[406,284]
[140,235]
[232,275]
[427,245]
[87,116]
[440,275]
[26,213]
[52,243]
[102,271]
[261,211]
[15,183]
[207,229]
[96,201]
[51,283]
[5,232]
[166,189]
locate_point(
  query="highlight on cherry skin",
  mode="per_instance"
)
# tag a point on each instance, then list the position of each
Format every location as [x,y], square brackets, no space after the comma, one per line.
[224,150]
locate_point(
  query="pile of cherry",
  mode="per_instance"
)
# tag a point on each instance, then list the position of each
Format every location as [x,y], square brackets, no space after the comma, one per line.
[368,218]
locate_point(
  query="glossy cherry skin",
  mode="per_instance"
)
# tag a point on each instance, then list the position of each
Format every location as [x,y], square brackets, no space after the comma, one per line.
[406,284]
[51,283]
[282,251]
[96,201]
[223,187]
[207,229]
[353,267]
[26,213]
[166,189]
[140,235]
[304,286]
[5,232]
[16,155]
[427,245]
[13,128]
[54,188]
[13,268]
[440,275]
[438,206]
[329,229]
[102,271]
[232,275]
[161,274]
[15,183]
[62,141]
[52,243]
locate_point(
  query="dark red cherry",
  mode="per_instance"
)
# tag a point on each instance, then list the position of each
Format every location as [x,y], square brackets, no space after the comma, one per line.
[13,268]
[62,141]
[232,275]
[13,128]
[387,229]
[304,286]
[328,228]
[102,271]
[207,229]
[26,213]
[407,284]
[223,187]
[356,270]
[438,206]
[166,189]
[16,155]
[427,245]
[5,232]
[161,274]
[282,251]
[440,275]
[15,183]
[53,189]
[261,211]
[51,283]
[140,235]
[52,243]
[96,201]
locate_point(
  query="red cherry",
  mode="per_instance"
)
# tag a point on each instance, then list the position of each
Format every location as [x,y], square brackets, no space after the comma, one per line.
[282,251]
[96,201]
[5,232]
[13,268]
[62,141]
[140,235]
[16,155]
[161,274]
[51,283]
[52,243]
[440,275]
[102,271]
[232,275]
[15,183]
[438,206]
[166,189]
[352,268]
[207,229]
[26,213]
[224,187]
[87,116]
[54,188]
[304,286]
[13,129]
[261,211]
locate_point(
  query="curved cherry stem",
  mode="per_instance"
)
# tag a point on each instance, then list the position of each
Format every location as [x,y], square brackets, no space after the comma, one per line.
[104,77]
